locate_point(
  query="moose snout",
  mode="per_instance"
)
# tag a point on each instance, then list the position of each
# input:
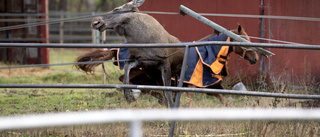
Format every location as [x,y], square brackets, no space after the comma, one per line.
[97,23]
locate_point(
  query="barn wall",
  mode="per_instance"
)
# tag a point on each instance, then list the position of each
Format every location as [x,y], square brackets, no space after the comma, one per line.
[23,55]
[289,65]
[293,66]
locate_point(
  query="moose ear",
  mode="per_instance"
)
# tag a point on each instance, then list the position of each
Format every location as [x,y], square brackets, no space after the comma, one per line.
[239,28]
[137,3]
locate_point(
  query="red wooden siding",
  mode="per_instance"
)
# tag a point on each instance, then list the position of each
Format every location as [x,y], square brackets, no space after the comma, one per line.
[290,65]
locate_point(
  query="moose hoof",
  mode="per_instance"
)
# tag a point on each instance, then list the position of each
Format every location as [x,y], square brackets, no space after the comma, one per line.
[128,95]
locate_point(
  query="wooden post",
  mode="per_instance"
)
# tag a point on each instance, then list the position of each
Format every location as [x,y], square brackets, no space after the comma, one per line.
[93,36]
[103,37]
[61,28]
[44,32]
[103,40]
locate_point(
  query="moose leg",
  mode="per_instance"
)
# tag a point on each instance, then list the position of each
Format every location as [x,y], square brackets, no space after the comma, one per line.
[127,67]
[138,77]
[166,78]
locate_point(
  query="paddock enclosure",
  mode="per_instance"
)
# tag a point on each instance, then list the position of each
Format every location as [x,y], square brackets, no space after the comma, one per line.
[260,20]
[280,71]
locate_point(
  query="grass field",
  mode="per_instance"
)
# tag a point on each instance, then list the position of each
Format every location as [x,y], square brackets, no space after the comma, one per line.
[34,101]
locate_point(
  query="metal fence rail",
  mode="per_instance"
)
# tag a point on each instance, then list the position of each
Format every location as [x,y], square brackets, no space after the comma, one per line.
[177,89]
[182,45]
[160,45]
[57,64]
[136,116]
[85,14]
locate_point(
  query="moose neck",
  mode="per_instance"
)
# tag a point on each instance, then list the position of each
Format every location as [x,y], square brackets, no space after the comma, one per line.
[143,28]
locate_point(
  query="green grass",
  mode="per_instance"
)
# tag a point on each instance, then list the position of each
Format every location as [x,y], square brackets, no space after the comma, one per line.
[63,77]
[26,101]
[34,101]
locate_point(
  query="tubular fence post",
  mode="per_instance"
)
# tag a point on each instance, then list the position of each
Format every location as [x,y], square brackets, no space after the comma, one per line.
[93,36]
[135,128]
[61,31]
[182,73]
[97,37]
[262,62]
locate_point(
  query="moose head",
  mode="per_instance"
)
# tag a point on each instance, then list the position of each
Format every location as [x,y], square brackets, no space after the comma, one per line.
[113,18]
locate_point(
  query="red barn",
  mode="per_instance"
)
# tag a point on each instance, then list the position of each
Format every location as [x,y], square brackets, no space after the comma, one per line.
[17,12]
[288,65]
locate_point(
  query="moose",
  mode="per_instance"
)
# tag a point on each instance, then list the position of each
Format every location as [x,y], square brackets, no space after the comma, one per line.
[156,64]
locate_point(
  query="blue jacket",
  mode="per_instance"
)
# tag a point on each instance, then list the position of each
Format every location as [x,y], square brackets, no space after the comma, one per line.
[206,64]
